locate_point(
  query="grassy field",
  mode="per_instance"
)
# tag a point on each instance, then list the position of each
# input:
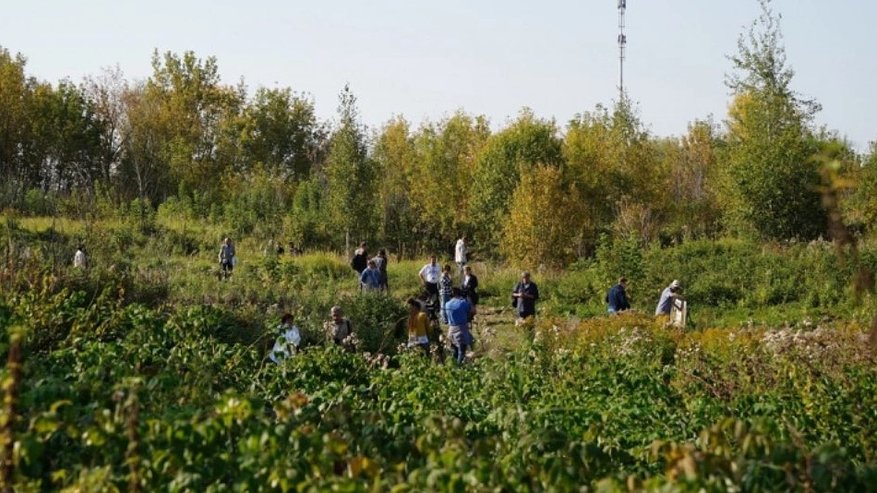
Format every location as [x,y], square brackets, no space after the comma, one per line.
[147,372]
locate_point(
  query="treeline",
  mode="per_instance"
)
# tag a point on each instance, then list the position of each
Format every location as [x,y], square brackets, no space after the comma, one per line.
[534,191]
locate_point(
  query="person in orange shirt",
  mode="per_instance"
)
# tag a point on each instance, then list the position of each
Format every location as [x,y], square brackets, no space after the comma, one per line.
[418,323]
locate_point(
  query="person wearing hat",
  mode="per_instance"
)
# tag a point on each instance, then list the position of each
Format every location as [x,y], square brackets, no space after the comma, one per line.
[666,301]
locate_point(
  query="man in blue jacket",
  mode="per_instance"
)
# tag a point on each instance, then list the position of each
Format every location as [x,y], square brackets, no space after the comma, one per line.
[617,297]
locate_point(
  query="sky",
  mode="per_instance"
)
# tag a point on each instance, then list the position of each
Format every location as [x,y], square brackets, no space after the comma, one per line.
[425,60]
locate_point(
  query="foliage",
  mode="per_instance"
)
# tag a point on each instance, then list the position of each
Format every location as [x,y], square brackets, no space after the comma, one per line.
[506,156]
[774,183]
[350,175]
[535,233]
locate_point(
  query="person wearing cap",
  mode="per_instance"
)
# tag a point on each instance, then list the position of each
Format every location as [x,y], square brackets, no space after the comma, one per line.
[617,297]
[524,297]
[666,301]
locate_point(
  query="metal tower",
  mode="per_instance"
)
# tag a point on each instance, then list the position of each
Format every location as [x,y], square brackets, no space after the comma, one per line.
[622,44]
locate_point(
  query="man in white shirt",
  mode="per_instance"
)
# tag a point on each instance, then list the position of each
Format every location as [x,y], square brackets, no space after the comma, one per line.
[429,275]
[461,253]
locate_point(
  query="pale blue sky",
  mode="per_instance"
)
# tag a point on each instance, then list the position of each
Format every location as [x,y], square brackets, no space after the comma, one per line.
[424,60]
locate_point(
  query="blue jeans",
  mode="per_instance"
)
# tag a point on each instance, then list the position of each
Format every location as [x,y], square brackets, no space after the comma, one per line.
[459,353]
[444,299]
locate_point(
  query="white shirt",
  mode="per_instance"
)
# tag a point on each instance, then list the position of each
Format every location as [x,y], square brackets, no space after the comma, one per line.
[460,252]
[79,259]
[430,272]
[285,344]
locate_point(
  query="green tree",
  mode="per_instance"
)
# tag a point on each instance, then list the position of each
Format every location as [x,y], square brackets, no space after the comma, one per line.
[16,89]
[106,94]
[192,110]
[69,132]
[350,175]
[773,182]
[616,167]
[395,158]
[544,218]
[443,171]
[144,170]
[506,155]
[281,131]
[308,225]
[693,166]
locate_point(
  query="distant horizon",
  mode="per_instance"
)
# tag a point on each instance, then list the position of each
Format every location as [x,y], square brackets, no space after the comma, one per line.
[425,63]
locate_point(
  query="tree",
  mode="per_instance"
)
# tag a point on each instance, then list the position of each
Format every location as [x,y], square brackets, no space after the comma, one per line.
[281,131]
[693,167]
[395,158]
[16,90]
[106,94]
[69,132]
[544,218]
[350,174]
[442,177]
[191,109]
[773,182]
[144,171]
[507,155]
[617,170]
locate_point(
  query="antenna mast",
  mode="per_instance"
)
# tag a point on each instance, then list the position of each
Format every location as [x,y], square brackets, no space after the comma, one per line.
[622,44]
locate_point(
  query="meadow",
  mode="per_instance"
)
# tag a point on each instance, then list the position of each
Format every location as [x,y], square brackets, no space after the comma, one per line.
[146,372]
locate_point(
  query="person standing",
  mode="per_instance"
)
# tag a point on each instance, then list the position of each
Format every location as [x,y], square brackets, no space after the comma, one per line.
[418,324]
[226,257]
[666,300]
[370,278]
[446,285]
[616,298]
[381,261]
[461,254]
[429,276]
[524,297]
[459,310]
[469,286]
[80,261]
[287,341]
[359,262]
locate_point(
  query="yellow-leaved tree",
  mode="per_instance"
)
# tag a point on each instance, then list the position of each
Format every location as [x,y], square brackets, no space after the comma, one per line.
[544,221]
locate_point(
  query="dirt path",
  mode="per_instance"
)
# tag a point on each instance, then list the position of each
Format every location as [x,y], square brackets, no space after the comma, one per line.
[495,332]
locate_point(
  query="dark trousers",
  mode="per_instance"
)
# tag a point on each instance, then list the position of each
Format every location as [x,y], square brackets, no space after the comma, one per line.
[459,353]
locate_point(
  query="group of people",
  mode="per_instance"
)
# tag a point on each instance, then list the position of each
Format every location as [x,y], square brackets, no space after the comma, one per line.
[457,304]
[443,301]
[338,329]
[372,272]
[617,299]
